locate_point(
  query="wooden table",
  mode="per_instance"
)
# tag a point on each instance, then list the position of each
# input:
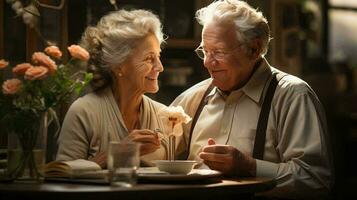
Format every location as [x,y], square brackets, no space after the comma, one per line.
[218,189]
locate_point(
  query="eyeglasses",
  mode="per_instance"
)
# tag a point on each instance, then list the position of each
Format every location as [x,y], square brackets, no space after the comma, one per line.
[216,54]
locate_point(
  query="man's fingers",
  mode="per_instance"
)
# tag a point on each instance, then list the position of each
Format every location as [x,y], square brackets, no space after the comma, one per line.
[216,165]
[220,162]
[211,141]
[216,149]
[214,157]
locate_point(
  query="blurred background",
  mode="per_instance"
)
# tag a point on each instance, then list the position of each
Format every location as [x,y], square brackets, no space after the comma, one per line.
[312,39]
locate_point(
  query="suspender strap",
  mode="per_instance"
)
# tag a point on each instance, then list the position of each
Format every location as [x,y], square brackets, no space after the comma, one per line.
[259,143]
[202,104]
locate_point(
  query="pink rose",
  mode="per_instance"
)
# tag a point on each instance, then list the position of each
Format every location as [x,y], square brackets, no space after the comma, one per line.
[53,51]
[20,69]
[11,86]
[3,63]
[42,59]
[36,73]
[78,52]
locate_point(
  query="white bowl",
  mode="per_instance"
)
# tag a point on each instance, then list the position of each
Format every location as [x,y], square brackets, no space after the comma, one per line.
[175,166]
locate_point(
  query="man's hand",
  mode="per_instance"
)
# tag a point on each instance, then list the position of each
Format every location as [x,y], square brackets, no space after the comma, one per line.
[227,159]
[148,139]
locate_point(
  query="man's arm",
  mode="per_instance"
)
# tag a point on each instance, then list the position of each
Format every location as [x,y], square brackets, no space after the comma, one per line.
[302,144]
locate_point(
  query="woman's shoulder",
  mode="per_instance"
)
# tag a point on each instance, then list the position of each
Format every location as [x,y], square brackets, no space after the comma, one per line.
[157,105]
[87,102]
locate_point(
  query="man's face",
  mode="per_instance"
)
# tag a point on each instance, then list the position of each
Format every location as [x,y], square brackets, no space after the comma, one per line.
[226,61]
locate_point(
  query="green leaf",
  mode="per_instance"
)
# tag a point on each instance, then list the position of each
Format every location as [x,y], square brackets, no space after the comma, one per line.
[88,77]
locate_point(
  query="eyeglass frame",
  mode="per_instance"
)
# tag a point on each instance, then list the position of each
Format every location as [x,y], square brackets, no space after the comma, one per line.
[223,53]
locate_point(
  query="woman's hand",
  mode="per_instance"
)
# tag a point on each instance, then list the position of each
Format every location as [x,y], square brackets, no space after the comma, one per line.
[148,139]
[100,158]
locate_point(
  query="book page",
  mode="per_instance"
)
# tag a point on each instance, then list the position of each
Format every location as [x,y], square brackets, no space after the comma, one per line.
[82,165]
[79,167]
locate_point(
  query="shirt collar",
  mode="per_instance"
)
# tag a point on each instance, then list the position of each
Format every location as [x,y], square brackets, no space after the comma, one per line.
[256,84]
[213,92]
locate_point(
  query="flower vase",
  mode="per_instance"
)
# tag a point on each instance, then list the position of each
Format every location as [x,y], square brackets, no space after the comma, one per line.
[27,152]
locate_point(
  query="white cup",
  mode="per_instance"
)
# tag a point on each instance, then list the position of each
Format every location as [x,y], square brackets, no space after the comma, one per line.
[123,162]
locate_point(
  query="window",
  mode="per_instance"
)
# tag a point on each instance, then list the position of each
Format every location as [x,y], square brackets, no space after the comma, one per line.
[342,16]
[344,3]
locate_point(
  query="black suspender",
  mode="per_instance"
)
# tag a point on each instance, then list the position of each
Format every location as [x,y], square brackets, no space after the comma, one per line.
[259,142]
[202,104]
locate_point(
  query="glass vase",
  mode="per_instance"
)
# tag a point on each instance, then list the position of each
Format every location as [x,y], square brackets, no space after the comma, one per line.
[27,152]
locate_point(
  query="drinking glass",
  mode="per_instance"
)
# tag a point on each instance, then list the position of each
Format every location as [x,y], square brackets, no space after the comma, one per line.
[123,162]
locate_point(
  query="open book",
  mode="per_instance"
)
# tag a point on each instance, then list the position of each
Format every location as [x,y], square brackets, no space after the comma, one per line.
[79,168]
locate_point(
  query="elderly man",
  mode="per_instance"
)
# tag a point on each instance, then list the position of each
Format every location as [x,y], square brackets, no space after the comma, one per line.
[250,119]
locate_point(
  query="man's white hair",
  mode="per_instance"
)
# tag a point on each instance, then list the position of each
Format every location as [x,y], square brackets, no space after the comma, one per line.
[250,23]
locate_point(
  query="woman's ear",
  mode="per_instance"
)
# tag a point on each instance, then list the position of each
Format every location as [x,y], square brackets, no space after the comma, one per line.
[117,72]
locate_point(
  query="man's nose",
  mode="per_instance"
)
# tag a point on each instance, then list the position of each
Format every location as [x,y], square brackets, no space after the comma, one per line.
[209,61]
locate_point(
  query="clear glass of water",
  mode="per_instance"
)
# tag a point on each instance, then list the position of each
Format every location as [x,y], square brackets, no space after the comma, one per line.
[123,162]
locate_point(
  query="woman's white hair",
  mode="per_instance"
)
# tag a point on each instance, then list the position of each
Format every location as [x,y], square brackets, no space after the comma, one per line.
[250,23]
[113,39]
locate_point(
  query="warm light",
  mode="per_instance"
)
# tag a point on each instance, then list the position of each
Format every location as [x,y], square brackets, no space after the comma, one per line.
[344,3]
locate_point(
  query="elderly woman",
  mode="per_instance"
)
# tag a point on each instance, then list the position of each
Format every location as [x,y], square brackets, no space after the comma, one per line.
[125,60]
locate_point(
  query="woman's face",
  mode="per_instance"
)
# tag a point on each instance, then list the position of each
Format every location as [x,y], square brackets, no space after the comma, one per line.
[141,70]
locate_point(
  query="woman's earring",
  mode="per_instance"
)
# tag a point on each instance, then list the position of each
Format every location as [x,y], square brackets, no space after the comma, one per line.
[120,74]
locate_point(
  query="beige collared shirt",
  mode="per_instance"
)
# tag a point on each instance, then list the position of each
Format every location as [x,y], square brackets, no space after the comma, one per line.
[296,148]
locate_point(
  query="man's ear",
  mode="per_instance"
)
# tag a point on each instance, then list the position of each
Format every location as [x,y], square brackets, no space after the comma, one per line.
[255,48]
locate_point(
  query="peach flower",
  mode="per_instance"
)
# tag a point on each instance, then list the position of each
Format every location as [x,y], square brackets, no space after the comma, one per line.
[53,51]
[20,69]
[11,86]
[36,73]
[3,63]
[40,58]
[78,52]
